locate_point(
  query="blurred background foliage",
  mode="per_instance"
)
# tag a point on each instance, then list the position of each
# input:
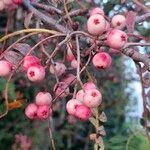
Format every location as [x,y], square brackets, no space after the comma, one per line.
[69,133]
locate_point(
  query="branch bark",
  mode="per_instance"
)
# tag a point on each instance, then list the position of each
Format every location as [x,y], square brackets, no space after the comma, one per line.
[45,18]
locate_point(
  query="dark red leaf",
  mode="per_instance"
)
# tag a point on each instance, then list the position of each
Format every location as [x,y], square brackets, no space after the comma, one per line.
[23,48]
[130,21]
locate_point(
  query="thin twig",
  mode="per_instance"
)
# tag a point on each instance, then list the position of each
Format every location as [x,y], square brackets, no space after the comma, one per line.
[145,113]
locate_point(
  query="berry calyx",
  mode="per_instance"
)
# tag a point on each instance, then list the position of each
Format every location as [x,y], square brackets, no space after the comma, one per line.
[116,39]
[118,21]
[96,24]
[44,112]
[36,73]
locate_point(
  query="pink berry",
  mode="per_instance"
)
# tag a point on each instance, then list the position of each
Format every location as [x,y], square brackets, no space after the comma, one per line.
[69,79]
[30,61]
[116,39]
[71,106]
[5,68]
[44,112]
[118,21]
[107,27]
[92,98]
[36,73]
[74,63]
[7,2]
[43,98]
[17,2]
[102,60]
[31,111]
[89,85]
[83,112]
[2,5]
[96,10]
[61,89]
[70,55]
[58,68]
[80,95]
[96,24]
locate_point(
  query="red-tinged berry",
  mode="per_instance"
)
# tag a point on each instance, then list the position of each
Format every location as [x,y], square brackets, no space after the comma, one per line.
[36,73]
[5,68]
[71,106]
[102,60]
[44,112]
[116,39]
[31,111]
[83,112]
[30,61]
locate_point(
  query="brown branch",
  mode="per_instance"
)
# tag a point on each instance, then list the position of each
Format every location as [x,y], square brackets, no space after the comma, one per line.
[136,56]
[142,17]
[47,8]
[145,113]
[52,22]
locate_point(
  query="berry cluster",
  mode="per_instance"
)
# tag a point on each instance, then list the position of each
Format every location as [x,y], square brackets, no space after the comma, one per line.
[98,24]
[87,98]
[41,109]
[9,3]
[35,71]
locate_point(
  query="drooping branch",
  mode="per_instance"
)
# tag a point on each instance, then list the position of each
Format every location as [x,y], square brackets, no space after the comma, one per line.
[136,56]
[45,18]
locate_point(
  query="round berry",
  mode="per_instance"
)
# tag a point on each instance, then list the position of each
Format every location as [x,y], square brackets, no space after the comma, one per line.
[31,111]
[5,68]
[118,21]
[71,106]
[17,2]
[96,10]
[69,79]
[96,24]
[80,95]
[69,55]
[83,112]
[8,2]
[74,63]
[30,61]
[58,68]
[102,60]
[92,98]
[116,39]
[43,98]
[44,112]
[2,5]
[88,86]
[36,73]
[61,89]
